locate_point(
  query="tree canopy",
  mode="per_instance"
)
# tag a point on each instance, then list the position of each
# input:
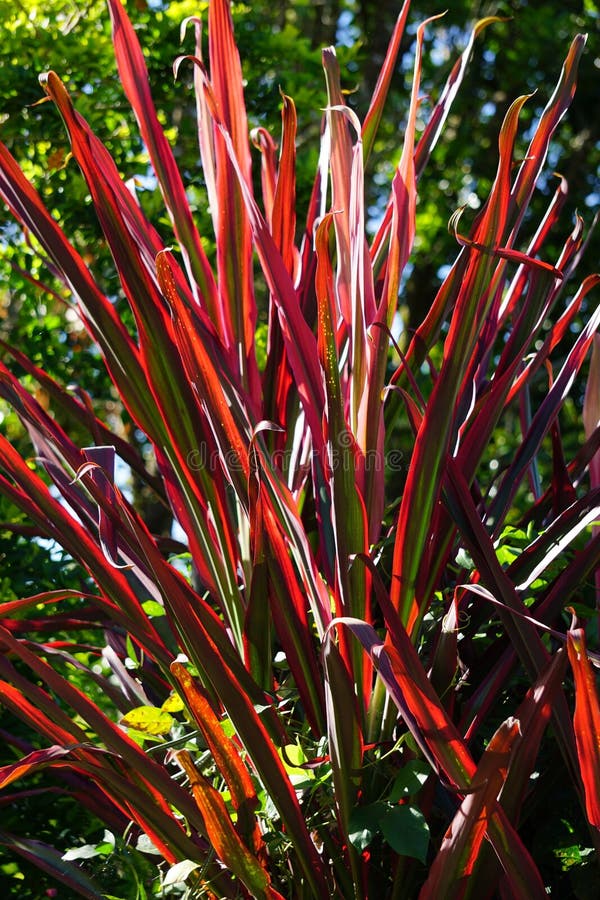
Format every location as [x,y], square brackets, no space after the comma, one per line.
[521,53]
[281,50]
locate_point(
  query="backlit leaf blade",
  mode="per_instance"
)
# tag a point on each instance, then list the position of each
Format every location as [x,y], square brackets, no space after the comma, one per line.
[423,482]
[266,146]
[277,378]
[277,577]
[434,126]
[348,511]
[98,314]
[591,420]
[226,842]
[81,409]
[545,414]
[31,494]
[457,856]
[31,763]
[234,247]
[134,77]
[226,756]
[345,744]
[533,716]
[405,679]
[373,117]
[283,221]
[148,776]
[586,721]
[300,342]
[340,164]
[174,428]
[555,109]
[440,112]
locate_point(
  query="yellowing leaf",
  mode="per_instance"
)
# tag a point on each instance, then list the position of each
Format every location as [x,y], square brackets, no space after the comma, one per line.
[148,720]
[172,704]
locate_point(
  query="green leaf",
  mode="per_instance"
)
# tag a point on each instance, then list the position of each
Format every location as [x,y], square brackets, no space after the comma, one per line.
[294,757]
[131,654]
[88,851]
[153,609]
[365,823]
[406,831]
[506,555]
[409,780]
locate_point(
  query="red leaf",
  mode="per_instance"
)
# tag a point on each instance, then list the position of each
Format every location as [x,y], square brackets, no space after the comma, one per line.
[448,876]
[226,757]
[30,763]
[227,844]
[373,117]
[134,77]
[586,722]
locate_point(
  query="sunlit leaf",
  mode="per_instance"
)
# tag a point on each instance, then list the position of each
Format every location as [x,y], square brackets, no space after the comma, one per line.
[586,722]
[149,720]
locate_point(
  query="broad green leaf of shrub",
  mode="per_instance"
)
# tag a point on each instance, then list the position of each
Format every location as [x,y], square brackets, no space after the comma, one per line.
[409,780]
[406,831]
[365,823]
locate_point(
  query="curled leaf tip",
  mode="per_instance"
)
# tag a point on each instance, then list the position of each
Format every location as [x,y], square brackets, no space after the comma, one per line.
[574,619]
[426,22]
[197,20]
[178,60]
[83,470]
[266,425]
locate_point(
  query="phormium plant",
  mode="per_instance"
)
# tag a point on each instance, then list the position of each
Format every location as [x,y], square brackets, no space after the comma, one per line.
[354,681]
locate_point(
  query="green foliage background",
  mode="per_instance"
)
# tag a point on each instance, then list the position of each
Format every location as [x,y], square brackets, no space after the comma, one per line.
[280,48]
